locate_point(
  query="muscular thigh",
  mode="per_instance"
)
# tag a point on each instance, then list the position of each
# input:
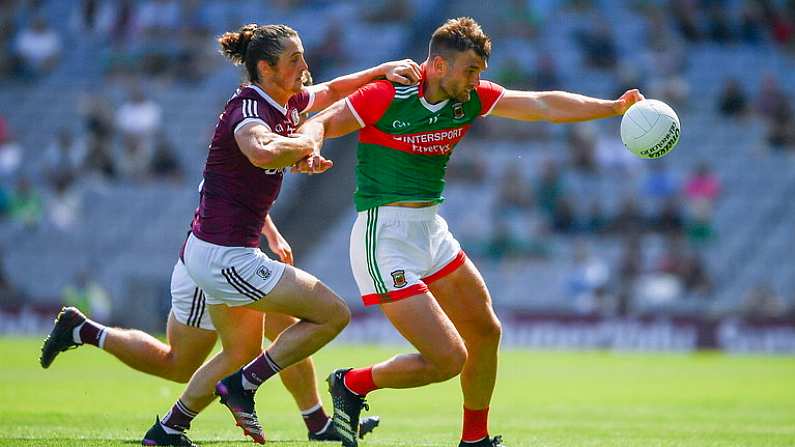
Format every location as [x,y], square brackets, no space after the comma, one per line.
[301,295]
[422,322]
[465,299]
[190,345]
[240,330]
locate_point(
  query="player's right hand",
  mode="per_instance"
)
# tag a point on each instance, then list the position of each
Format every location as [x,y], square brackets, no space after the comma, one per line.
[313,164]
[405,71]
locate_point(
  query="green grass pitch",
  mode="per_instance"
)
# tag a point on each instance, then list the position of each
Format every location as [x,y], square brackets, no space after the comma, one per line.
[543,399]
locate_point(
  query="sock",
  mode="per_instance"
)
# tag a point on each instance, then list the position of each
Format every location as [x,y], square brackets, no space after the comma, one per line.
[316,419]
[360,381]
[89,332]
[178,419]
[476,425]
[259,370]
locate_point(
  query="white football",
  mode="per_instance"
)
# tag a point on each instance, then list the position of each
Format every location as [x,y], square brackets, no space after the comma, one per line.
[650,128]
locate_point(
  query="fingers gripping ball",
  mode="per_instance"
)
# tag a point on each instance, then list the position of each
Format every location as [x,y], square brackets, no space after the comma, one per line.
[650,129]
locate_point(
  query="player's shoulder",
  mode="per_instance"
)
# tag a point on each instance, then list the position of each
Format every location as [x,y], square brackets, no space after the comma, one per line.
[381,87]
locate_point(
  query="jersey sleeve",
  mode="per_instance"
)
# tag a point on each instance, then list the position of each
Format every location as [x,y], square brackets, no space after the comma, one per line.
[369,103]
[242,112]
[489,93]
[303,101]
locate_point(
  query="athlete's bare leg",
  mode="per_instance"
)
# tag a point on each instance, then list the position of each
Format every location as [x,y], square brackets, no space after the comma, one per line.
[240,330]
[299,379]
[465,299]
[442,353]
[322,316]
[321,313]
[187,348]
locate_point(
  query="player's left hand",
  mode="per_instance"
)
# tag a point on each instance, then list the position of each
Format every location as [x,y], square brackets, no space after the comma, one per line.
[627,99]
[279,246]
[405,71]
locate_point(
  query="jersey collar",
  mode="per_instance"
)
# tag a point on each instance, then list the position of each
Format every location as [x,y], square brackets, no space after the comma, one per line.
[271,101]
[431,107]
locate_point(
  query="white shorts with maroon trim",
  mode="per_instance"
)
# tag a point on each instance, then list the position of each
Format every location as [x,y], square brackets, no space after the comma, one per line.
[397,251]
[234,276]
[188,303]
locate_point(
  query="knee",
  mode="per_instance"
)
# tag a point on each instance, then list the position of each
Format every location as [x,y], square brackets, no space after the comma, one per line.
[492,332]
[176,371]
[341,315]
[486,333]
[449,365]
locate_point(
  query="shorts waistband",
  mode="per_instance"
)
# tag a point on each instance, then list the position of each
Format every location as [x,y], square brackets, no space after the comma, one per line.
[404,213]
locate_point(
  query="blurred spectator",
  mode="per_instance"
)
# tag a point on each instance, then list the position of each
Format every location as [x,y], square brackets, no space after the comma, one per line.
[503,243]
[595,221]
[702,185]
[546,75]
[9,295]
[513,193]
[612,156]
[720,29]
[89,296]
[63,206]
[5,201]
[629,220]
[165,164]
[158,18]
[685,14]
[582,147]
[331,53]
[587,280]
[467,166]
[99,160]
[660,183]
[550,188]
[771,99]
[733,101]
[751,23]
[762,302]
[38,48]
[686,266]
[669,218]
[598,45]
[513,74]
[64,157]
[137,119]
[563,217]
[10,153]
[26,204]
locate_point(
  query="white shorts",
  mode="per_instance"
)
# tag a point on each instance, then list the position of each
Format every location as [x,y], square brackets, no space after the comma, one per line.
[397,251]
[234,276]
[188,303]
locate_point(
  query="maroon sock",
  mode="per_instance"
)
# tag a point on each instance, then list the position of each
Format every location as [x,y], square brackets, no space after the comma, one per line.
[91,332]
[179,418]
[260,369]
[316,420]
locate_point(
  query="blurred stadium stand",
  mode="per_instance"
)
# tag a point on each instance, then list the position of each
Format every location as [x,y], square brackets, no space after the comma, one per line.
[559,218]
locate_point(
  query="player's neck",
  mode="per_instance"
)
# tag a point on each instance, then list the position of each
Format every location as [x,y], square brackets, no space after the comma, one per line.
[432,91]
[277,94]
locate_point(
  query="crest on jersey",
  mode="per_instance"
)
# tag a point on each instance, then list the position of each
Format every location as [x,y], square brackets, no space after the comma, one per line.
[294,117]
[458,111]
[263,272]
[399,278]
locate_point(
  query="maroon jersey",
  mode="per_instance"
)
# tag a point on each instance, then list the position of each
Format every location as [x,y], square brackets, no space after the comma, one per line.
[235,195]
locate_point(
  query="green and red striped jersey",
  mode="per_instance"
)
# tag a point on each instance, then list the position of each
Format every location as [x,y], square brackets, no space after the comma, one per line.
[405,142]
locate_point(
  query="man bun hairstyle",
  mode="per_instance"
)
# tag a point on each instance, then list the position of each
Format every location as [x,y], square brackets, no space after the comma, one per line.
[459,35]
[253,43]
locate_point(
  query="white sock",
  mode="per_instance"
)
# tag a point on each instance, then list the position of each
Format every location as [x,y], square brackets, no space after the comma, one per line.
[102,336]
[76,333]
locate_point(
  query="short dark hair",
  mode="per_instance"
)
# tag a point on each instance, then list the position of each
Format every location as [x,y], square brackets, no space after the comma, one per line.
[253,43]
[460,34]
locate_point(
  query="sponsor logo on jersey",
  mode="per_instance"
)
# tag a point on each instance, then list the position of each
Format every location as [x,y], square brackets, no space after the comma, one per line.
[399,278]
[263,272]
[458,111]
[397,124]
[294,117]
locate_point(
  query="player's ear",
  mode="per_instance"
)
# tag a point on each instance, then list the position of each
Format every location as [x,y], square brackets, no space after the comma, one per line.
[439,64]
[263,67]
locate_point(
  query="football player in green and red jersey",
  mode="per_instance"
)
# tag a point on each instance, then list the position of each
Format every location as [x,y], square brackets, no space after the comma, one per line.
[403,256]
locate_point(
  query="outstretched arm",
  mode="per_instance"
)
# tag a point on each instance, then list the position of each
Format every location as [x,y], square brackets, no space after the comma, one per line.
[561,107]
[335,121]
[405,71]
